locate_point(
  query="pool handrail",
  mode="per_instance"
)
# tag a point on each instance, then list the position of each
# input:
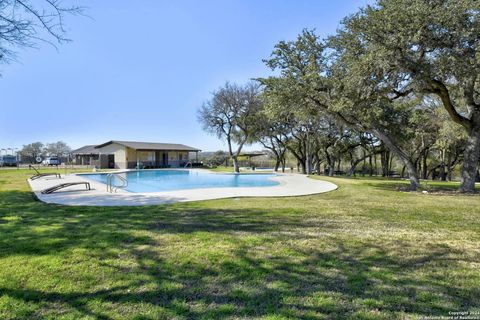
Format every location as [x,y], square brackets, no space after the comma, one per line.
[110,180]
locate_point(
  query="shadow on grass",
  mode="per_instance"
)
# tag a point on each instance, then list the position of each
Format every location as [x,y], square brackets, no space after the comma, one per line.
[345,279]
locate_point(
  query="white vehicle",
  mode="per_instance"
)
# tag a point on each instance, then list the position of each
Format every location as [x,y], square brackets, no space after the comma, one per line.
[51,161]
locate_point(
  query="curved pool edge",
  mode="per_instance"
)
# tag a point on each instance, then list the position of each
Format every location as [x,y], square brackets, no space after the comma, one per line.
[166,180]
[289,185]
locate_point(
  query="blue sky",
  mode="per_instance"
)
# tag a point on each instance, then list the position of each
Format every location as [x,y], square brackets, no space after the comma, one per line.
[139,70]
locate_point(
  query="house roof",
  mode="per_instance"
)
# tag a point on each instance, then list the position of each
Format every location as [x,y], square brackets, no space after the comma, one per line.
[90,149]
[150,145]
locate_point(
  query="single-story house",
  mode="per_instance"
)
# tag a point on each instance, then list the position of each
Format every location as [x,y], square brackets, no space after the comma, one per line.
[132,154]
[85,155]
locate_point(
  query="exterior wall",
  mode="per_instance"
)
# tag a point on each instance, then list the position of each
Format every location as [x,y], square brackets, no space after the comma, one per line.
[118,151]
[126,157]
[131,155]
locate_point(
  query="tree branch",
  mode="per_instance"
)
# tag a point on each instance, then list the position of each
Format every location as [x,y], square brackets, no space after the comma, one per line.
[438,88]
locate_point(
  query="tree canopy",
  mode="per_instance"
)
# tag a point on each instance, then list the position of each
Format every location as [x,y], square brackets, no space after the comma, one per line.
[399,79]
[25,23]
[401,49]
[231,114]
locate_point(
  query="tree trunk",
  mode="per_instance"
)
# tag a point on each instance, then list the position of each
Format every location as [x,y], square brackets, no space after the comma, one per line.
[425,167]
[330,163]
[300,160]
[472,125]
[319,167]
[351,171]
[277,164]
[331,166]
[364,164]
[390,166]
[411,169]
[371,165]
[355,163]
[442,173]
[308,164]
[383,161]
[387,163]
[330,171]
[418,165]
[308,156]
[470,160]
[303,165]
[236,167]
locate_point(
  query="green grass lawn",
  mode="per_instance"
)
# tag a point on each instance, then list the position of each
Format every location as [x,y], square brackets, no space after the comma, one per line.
[363,251]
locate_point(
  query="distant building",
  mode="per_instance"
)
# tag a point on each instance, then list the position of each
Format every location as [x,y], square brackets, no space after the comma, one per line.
[131,154]
[85,155]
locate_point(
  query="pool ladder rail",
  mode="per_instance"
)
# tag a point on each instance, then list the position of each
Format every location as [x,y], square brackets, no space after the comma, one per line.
[111,179]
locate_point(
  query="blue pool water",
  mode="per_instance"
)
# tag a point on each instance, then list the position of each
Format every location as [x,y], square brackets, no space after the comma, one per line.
[170,180]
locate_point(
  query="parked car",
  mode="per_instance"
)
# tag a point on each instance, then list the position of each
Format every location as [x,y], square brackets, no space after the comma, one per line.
[8,161]
[51,161]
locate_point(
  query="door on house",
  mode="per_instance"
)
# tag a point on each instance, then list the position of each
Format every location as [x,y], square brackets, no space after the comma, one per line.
[111,161]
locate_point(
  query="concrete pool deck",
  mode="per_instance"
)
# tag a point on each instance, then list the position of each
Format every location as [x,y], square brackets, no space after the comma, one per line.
[289,185]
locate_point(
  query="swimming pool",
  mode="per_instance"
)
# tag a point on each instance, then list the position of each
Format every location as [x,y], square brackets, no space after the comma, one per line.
[171,180]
